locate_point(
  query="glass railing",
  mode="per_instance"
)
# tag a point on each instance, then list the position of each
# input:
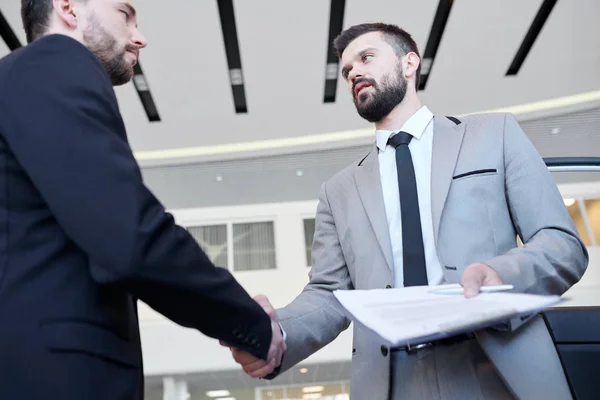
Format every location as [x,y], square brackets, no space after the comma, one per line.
[584,210]
[573,164]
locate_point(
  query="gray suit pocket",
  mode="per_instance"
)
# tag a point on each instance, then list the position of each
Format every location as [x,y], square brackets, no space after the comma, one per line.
[489,171]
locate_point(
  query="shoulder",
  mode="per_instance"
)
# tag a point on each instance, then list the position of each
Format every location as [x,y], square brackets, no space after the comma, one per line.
[484,118]
[489,122]
[347,173]
[51,58]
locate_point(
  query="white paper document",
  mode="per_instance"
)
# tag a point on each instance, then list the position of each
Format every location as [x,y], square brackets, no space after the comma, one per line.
[416,315]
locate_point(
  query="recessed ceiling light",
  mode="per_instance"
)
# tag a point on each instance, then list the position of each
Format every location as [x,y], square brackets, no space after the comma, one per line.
[554,131]
[312,396]
[219,178]
[313,389]
[217,393]
[299,172]
[303,370]
[569,202]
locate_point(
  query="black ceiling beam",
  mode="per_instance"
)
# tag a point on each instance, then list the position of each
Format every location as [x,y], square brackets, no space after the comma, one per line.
[232,50]
[143,90]
[534,30]
[8,35]
[336,22]
[435,37]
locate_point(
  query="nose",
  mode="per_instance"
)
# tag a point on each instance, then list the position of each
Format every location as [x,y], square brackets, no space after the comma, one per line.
[139,39]
[354,74]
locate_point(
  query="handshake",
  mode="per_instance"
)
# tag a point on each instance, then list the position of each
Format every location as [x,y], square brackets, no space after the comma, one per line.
[256,367]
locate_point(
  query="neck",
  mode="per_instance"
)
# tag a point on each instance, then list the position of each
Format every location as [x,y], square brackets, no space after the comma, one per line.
[401,113]
[56,27]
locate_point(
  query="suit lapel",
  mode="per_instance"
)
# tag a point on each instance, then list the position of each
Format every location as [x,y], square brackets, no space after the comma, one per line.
[447,139]
[368,183]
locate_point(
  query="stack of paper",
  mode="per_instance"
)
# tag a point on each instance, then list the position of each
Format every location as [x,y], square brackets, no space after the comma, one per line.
[417,314]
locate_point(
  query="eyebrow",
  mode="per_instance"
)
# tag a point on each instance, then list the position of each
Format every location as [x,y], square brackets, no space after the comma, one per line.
[129,8]
[362,52]
[358,54]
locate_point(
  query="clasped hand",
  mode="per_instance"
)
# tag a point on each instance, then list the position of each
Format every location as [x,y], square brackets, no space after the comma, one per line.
[254,366]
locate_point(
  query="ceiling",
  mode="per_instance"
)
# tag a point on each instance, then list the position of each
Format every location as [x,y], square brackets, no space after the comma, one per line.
[283,48]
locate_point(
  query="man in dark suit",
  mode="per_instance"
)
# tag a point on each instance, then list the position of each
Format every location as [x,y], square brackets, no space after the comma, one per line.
[81,237]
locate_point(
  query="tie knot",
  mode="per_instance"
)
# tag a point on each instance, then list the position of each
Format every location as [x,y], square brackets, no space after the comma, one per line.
[399,139]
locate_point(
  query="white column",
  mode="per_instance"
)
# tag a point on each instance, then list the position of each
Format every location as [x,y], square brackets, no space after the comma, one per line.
[175,389]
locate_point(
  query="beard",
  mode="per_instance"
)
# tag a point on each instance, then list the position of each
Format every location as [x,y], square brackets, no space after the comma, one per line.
[377,105]
[109,53]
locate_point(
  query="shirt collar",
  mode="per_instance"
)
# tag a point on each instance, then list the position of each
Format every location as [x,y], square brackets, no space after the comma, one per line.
[415,125]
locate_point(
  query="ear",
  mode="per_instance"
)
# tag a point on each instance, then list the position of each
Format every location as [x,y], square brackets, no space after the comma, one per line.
[65,11]
[411,64]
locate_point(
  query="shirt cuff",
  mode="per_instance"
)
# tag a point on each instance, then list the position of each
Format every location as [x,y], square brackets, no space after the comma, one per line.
[282,332]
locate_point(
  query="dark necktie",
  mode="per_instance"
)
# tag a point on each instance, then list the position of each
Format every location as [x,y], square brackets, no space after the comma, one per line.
[413,253]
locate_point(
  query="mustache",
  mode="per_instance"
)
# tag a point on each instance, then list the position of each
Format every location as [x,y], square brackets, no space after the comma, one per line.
[363,80]
[131,47]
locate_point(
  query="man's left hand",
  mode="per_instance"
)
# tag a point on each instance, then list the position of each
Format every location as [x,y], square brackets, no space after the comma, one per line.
[478,275]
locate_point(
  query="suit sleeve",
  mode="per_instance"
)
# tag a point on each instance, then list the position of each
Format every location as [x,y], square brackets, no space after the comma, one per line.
[553,257]
[314,319]
[63,124]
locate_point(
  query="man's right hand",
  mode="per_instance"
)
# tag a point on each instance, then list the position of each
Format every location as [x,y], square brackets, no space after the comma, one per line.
[256,367]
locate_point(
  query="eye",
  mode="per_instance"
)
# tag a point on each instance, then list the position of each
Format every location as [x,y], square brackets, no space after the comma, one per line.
[367,57]
[126,14]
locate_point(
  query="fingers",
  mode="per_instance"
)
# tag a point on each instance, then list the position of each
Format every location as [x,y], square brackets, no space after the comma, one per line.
[264,302]
[243,358]
[472,280]
[471,287]
[266,370]
[258,365]
[253,366]
[477,275]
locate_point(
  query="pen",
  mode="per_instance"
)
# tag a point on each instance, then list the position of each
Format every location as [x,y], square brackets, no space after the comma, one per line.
[483,289]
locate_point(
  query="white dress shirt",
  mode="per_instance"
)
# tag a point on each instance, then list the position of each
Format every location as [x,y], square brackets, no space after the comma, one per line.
[420,126]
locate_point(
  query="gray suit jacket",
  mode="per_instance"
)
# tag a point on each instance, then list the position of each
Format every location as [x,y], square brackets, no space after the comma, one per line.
[488,184]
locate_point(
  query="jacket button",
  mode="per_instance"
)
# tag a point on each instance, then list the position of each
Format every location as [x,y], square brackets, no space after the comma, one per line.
[388,286]
[384,351]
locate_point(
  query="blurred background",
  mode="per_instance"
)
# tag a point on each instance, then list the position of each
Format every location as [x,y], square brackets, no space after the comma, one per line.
[237,114]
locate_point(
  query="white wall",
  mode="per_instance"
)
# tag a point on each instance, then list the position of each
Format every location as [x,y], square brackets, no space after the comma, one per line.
[171,349]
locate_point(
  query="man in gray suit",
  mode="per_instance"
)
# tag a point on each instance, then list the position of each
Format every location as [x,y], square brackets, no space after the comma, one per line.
[436,200]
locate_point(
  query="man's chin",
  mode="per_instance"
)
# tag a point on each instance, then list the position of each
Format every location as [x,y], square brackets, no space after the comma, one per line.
[122,78]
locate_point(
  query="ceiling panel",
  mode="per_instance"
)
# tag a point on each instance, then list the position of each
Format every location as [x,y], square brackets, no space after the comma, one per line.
[566,57]
[283,47]
[12,13]
[481,39]
[186,68]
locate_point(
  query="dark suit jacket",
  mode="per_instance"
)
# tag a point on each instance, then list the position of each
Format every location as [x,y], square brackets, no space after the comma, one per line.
[81,238]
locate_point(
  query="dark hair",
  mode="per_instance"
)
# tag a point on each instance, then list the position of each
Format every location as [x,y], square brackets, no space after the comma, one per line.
[397,37]
[35,15]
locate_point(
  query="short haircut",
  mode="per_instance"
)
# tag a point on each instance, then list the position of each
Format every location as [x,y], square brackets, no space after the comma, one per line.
[397,37]
[35,15]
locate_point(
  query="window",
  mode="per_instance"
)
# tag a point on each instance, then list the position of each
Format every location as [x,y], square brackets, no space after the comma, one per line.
[592,208]
[253,246]
[213,241]
[238,247]
[576,216]
[309,232]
